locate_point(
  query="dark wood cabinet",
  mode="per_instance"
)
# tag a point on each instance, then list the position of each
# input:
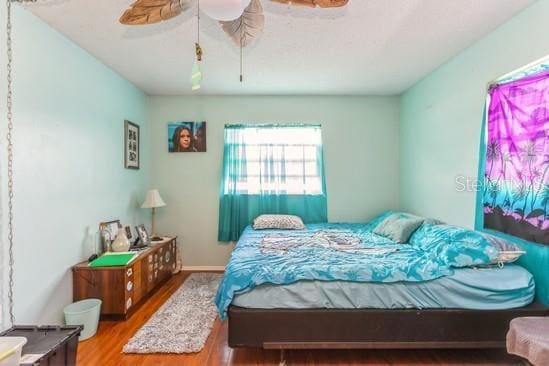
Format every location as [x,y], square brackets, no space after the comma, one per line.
[123,289]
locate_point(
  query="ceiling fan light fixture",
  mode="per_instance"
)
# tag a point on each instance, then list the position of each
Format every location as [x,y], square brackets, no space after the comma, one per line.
[224,10]
[196,75]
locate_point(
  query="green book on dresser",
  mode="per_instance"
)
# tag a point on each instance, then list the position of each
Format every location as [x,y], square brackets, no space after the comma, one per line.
[113,259]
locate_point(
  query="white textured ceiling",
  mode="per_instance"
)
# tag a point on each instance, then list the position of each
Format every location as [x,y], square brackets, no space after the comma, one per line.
[368,47]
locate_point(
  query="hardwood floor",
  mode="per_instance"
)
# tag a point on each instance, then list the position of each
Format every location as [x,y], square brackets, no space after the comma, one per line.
[105,348]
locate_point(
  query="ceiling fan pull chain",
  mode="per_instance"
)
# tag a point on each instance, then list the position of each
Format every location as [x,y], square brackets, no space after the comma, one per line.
[241,78]
[9,137]
[198,48]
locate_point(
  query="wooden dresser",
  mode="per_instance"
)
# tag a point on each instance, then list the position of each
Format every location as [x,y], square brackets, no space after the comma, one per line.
[123,289]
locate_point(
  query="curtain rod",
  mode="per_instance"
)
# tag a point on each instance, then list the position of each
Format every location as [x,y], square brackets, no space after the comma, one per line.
[542,60]
[281,125]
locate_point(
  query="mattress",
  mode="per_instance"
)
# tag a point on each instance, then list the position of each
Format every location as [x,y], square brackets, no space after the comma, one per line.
[467,288]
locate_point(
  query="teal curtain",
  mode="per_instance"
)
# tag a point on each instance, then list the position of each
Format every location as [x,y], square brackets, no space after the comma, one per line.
[271,169]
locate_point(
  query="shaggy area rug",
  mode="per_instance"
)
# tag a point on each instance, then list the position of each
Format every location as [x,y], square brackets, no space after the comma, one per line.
[184,322]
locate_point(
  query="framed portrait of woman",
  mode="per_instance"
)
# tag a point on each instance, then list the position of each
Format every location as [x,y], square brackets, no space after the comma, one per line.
[131,145]
[186,137]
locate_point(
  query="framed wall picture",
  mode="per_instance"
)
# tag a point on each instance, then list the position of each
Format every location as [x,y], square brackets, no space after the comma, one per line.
[186,137]
[131,145]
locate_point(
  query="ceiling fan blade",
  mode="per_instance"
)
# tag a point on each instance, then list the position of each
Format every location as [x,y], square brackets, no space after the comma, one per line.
[248,27]
[315,3]
[151,11]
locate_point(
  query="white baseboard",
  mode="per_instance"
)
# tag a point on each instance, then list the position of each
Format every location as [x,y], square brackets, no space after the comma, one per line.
[203,268]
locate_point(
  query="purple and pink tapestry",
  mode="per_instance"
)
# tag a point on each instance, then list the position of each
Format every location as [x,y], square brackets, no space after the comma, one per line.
[516,189]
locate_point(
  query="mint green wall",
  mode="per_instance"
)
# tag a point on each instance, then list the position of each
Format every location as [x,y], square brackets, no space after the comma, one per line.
[69,112]
[441,120]
[441,116]
[361,157]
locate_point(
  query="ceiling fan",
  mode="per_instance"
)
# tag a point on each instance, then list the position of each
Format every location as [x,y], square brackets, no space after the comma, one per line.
[242,20]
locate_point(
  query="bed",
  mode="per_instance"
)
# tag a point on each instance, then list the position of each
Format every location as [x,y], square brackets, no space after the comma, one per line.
[342,286]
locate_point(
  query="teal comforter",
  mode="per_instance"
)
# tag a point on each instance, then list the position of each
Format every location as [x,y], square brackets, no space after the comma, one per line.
[348,252]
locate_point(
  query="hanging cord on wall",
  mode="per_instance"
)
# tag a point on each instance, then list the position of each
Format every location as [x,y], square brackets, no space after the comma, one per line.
[9,136]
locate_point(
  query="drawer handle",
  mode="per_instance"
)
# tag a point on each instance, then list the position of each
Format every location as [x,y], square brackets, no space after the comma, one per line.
[150,258]
[129,272]
[129,303]
[167,257]
[129,285]
[155,273]
[150,278]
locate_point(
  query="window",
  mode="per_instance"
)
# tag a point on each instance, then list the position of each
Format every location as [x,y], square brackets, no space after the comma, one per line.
[271,169]
[274,160]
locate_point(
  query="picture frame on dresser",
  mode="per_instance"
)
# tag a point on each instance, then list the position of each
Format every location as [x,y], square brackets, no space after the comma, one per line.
[128,232]
[144,238]
[110,226]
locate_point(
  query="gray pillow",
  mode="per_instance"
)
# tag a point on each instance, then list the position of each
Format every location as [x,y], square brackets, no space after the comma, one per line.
[398,228]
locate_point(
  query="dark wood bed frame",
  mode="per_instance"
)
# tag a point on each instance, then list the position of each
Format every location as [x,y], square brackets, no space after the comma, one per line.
[373,328]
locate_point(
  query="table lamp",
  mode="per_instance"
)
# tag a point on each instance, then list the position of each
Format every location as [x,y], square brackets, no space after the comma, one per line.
[153,200]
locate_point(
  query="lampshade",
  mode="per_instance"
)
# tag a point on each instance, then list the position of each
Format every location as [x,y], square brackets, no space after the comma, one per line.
[153,200]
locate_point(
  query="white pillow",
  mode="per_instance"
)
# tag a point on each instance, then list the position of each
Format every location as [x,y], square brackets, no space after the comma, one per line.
[508,251]
[509,256]
[283,222]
